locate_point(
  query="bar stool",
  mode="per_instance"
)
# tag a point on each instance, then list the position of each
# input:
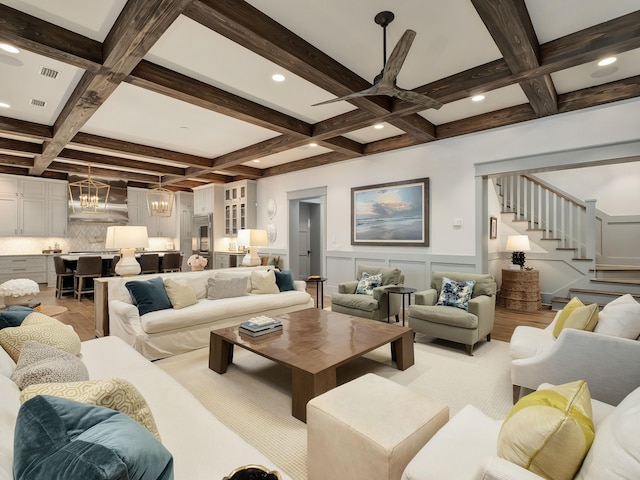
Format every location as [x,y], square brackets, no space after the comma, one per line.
[171,262]
[149,263]
[64,277]
[88,269]
[112,266]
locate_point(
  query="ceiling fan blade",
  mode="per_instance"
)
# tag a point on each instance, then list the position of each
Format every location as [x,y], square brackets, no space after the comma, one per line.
[397,58]
[416,98]
[363,93]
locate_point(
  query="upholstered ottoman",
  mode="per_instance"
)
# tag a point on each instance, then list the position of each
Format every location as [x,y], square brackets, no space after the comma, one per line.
[369,428]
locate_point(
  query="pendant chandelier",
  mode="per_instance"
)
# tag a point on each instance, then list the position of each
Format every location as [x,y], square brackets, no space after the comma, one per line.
[160,201]
[89,196]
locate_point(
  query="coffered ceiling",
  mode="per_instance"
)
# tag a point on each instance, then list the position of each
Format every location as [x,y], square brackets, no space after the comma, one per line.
[183,89]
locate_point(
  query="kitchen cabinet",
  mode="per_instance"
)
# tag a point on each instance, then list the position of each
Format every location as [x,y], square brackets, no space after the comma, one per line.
[203,199]
[57,207]
[33,267]
[139,215]
[239,206]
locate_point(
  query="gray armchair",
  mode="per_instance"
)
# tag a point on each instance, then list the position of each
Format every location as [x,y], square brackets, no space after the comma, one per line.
[374,306]
[452,323]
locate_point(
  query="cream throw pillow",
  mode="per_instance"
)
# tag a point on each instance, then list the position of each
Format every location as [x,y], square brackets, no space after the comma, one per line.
[264,282]
[620,318]
[180,295]
[564,314]
[40,328]
[549,432]
[114,393]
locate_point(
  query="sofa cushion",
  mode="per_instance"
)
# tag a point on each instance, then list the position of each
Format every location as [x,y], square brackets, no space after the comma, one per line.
[40,328]
[149,295]
[367,283]
[9,406]
[284,280]
[365,303]
[527,342]
[263,282]
[456,294]
[180,294]
[41,363]
[13,315]
[7,365]
[485,283]
[57,438]
[563,314]
[444,315]
[620,318]
[616,449]
[549,431]
[226,287]
[390,276]
[114,393]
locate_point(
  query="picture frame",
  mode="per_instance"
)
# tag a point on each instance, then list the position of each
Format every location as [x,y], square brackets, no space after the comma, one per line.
[395,213]
[493,228]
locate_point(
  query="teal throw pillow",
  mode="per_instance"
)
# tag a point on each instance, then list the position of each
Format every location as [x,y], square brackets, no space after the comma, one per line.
[60,439]
[13,316]
[456,294]
[284,280]
[149,295]
[368,282]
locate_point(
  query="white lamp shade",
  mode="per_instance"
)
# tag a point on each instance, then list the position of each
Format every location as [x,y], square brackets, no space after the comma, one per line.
[126,237]
[250,237]
[518,243]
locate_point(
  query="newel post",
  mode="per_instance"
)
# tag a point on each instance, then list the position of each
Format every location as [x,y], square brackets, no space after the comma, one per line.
[590,241]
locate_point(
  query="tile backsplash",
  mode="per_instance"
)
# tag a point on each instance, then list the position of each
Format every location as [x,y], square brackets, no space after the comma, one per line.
[80,237]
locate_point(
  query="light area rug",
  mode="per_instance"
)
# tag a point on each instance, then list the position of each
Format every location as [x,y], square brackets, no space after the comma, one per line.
[254,397]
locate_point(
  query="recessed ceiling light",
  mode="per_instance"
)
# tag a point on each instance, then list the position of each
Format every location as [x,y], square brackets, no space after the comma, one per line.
[477,98]
[378,126]
[9,48]
[256,161]
[4,105]
[606,61]
[313,144]
[277,77]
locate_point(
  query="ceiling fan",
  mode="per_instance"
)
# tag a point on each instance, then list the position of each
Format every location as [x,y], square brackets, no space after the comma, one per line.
[385,81]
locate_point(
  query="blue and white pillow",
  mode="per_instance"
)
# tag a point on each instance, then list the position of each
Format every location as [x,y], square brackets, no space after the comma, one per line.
[368,282]
[456,294]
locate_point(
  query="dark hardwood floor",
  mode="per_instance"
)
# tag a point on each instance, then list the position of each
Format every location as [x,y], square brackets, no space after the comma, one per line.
[80,315]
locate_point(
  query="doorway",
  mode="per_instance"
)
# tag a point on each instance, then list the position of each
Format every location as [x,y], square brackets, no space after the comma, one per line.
[307,227]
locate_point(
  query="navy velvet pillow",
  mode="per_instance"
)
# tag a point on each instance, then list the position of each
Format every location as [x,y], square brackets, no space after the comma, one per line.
[284,280]
[13,316]
[149,295]
[57,438]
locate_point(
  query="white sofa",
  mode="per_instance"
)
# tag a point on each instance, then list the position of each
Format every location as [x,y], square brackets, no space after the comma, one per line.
[169,332]
[203,448]
[466,448]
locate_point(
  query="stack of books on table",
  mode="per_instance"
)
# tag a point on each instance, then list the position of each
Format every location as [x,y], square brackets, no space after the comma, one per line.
[262,325]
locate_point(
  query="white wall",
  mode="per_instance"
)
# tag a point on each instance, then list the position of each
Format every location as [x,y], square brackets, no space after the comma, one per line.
[450,166]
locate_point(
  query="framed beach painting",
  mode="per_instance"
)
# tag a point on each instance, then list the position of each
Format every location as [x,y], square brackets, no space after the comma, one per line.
[391,214]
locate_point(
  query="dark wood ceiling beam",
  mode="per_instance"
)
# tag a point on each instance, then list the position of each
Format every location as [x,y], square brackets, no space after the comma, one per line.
[18,146]
[245,171]
[344,145]
[180,87]
[510,26]
[101,159]
[136,30]
[30,130]
[49,40]
[105,173]
[249,27]
[392,143]
[16,161]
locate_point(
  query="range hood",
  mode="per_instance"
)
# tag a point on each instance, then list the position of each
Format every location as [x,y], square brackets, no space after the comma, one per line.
[116,205]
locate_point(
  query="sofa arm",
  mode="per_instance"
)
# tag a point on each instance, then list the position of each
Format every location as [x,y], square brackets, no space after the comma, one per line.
[608,364]
[496,468]
[348,287]
[125,314]
[300,285]
[426,297]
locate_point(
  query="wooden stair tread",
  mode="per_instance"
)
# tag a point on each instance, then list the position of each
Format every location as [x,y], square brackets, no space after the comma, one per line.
[567,300]
[601,292]
[616,268]
[629,281]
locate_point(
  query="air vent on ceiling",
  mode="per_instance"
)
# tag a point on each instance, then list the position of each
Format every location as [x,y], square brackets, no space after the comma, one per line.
[37,103]
[49,72]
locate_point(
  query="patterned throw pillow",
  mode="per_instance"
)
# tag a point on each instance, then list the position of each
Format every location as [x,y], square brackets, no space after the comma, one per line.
[114,393]
[218,288]
[456,294]
[368,282]
[40,363]
[550,431]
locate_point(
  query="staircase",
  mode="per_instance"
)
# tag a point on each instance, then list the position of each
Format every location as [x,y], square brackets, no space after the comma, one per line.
[566,227]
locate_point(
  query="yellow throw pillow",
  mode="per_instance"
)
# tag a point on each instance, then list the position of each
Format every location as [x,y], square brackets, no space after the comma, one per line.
[564,314]
[549,432]
[583,318]
[114,393]
[180,295]
[40,328]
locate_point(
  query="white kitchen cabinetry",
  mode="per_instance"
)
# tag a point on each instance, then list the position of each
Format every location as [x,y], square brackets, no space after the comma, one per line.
[203,199]
[33,267]
[57,207]
[239,206]
[139,215]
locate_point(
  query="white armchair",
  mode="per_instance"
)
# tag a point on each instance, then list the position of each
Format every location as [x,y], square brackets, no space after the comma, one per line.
[610,365]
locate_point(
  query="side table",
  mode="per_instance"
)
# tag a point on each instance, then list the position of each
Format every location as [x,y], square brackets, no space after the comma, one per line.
[520,290]
[405,292]
[319,281]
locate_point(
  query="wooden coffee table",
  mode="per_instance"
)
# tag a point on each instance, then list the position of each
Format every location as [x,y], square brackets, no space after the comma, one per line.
[313,343]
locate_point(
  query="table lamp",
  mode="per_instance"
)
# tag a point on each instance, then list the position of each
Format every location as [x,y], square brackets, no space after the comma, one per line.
[252,238]
[518,244]
[127,239]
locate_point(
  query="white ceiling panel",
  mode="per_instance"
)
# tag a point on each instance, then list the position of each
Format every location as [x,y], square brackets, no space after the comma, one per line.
[288,156]
[371,134]
[137,115]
